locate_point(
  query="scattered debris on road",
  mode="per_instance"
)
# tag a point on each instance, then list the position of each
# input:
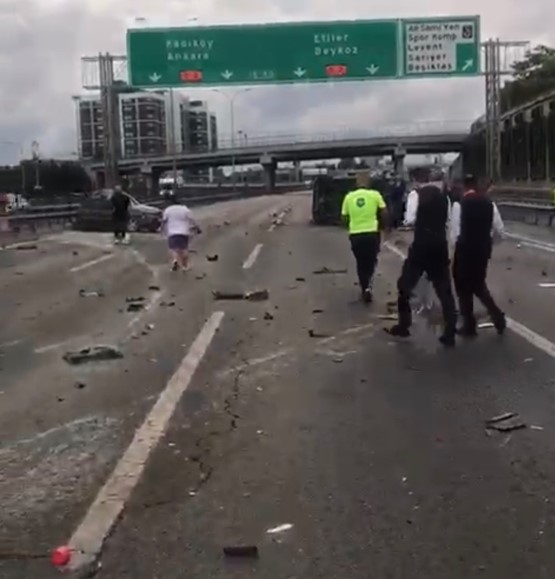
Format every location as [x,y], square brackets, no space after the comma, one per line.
[486,325]
[154,288]
[315,334]
[225,295]
[61,556]
[326,270]
[544,273]
[214,257]
[167,304]
[268,316]
[135,307]
[241,551]
[317,311]
[257,295]
[506,422]
[536,428]
[79,385]
[91,293]
[133,300]
[200,276]
[280,529]
[93,354]
[26,246]
[227,222]
[300,279]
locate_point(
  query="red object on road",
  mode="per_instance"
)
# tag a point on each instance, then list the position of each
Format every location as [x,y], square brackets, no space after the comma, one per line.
[61,556]
[190,75]
[336,70]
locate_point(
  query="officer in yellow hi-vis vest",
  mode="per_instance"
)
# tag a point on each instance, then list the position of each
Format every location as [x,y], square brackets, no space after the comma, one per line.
[364,210]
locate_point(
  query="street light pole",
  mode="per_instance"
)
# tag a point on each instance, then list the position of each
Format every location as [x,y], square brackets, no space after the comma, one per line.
[173,139]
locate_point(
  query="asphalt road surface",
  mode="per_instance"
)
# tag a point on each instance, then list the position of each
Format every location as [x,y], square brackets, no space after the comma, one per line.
[293,424]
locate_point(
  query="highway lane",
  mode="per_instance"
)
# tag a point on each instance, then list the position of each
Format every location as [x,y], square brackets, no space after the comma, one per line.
[374,451]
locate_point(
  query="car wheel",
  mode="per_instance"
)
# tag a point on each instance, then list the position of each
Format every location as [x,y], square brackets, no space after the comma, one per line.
[133,225]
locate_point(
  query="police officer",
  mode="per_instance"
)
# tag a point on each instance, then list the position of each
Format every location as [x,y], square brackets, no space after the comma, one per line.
[428,254]
[475,222]
[364,210]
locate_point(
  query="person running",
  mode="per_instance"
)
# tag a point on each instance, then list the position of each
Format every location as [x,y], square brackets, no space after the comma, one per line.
[120,214]
[178,224]
[364,211]
[428,254]
[475,223]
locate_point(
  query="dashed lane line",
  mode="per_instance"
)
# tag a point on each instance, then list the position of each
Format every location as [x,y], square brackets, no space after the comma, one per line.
[253,256]
[92,263]
[87,541]
[520,329]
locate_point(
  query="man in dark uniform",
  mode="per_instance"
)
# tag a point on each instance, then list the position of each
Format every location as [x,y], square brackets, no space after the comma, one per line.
[120,214]
[475,222]
[428,254]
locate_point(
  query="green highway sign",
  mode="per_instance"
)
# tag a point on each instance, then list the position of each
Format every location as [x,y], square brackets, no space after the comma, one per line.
[302,52]
[441,47]
[263,54]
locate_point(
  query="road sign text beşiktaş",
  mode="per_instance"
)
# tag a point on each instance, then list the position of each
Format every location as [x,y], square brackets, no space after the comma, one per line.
[304,52]
[267,54]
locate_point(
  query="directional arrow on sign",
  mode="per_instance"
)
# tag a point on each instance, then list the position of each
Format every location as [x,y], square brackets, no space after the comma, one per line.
[155,77]
[373,69]
[227,74]
[298,72]
[468,64]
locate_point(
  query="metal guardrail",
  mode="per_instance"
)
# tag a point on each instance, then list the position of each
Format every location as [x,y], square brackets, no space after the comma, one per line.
[528,211]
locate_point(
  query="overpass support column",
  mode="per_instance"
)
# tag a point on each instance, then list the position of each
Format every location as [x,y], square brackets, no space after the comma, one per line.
[297,167]
[399,161]
[269,164]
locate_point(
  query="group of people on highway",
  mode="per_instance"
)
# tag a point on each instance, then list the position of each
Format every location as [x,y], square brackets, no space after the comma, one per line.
[471,224]
[178,225]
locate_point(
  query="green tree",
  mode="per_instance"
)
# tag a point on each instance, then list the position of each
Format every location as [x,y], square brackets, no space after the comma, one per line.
[533,76]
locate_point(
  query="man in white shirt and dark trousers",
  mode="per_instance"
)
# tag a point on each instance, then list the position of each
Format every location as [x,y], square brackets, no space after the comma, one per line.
[428,254]
[475,221]
[178,224]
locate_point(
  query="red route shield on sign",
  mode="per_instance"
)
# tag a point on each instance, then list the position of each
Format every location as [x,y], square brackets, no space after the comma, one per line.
[190,75]
[336,70]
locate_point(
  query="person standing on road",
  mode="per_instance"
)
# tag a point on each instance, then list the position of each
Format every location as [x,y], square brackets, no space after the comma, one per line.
[475,224]
[428,254]
[364,211]
[120,214]
[178,224]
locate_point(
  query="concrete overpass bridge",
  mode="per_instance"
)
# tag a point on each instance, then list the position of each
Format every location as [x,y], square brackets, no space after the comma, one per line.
[397,141]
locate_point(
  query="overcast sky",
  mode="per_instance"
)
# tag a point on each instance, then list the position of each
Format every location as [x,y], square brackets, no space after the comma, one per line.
[42,41]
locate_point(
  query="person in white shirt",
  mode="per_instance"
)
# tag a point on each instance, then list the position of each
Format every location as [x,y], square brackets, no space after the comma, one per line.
[178,224]
[475,224]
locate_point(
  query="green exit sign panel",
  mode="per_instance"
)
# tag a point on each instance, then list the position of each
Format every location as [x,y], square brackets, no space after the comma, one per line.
[264,54]
[441,47]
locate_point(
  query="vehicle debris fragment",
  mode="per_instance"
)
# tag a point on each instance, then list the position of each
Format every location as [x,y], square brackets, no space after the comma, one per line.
[91,293]
[280,529]
[257,295]
[214,257]
[241,551]
[326,270]
[506,422]
[93,354]
[26,246]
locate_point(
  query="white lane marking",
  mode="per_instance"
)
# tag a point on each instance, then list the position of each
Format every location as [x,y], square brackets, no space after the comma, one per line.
[529,335]
[86,542]
[530,242]
[256,362]
[50,347]
[253,256]
[91,263]
[10,344]
[547,285]
[521,330]
[398,252]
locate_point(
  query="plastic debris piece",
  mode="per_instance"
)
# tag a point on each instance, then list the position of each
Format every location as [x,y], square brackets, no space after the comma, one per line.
[135,300]
[91,293]
[214,257]
[317,311]
[26,246]
[224,295]
[135,307]
[509,425]
[93,354]
[241,551]
[315,334]
[326,270]
[61,556]
[257,295]
[300,279]
[154,288]
[536,428]
[268,316]
[485,325]
[501,417]
[280,529]
[528,360]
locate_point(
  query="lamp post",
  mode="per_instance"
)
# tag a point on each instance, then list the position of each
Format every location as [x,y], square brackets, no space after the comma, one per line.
[231,99]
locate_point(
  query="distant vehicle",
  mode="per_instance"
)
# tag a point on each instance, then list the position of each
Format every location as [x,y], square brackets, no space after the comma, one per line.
[327,197]
[15,202]
[95,214]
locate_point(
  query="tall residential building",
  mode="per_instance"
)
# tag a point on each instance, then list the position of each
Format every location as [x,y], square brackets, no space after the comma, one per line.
[144,121]
[143,127]
[90,128]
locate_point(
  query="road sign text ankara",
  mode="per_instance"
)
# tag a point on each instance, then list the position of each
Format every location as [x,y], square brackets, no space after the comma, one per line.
[302,52]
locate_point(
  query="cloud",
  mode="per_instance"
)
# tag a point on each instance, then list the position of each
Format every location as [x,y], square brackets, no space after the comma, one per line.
[42,41]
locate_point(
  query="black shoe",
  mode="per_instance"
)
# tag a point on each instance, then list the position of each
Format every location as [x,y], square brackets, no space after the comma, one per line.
[448,340]
[398,331]
[467,332]
[500,325]
[367,296]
